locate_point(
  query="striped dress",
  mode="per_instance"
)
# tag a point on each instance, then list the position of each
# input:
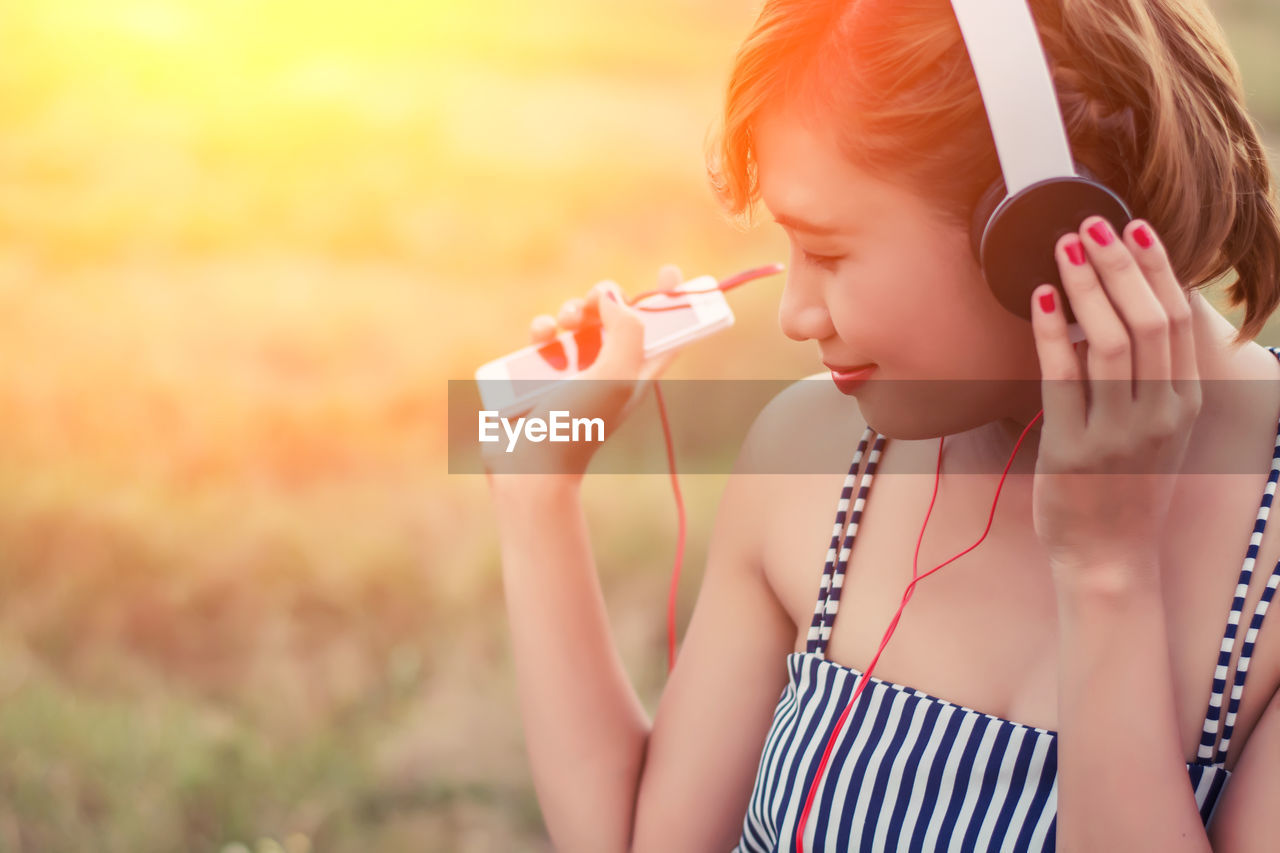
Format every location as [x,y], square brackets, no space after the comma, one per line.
[914,772]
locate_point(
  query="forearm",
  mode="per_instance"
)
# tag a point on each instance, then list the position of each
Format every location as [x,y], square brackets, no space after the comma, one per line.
[1122,777]
[585,727]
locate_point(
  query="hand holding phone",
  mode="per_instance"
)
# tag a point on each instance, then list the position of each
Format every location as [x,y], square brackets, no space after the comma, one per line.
[518,379]
[603,339]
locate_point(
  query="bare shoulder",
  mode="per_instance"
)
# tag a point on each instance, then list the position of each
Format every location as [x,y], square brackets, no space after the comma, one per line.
[801,429]
[795,458]
[791,435]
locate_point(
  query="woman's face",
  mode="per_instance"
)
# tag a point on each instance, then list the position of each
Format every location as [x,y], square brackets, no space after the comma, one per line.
[877,277]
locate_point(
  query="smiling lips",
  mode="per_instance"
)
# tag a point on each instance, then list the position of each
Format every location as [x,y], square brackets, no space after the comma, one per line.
[849,379]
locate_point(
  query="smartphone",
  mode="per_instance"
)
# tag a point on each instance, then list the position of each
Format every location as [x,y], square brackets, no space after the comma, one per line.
[511,384]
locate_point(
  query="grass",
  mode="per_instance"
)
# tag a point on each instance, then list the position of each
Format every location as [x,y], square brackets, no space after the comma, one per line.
[243,608]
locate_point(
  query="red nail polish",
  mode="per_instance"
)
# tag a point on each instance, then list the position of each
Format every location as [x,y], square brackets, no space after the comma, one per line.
[1075,252]
[1101,232]
[1046,302]
[1143,237]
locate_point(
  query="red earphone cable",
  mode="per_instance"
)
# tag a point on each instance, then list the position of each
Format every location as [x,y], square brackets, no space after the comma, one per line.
[726,284]
[893,624]
[916,577]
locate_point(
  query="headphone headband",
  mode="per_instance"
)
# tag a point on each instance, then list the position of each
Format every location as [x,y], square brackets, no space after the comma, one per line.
[1017,90]
[1044,193]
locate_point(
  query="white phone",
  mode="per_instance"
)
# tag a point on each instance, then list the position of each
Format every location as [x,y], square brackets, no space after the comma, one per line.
[509,385]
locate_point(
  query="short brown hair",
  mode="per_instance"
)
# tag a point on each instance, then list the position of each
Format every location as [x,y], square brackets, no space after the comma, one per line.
[1151,97]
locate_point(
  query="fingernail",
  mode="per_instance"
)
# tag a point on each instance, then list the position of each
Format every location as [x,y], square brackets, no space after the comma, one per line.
[611,295]
[1075,253]
[1101,233]
[1046,302]
[1143,237]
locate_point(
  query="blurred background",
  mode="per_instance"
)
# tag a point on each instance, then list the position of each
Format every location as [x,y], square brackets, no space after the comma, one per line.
[243,245]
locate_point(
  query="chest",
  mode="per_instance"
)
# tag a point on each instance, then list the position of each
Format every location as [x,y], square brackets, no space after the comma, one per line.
[982,630]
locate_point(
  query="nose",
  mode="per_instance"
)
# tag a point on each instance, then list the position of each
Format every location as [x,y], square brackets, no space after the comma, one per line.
[802,312]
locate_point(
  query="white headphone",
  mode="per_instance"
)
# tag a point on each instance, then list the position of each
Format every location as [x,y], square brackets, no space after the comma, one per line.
[1044,193]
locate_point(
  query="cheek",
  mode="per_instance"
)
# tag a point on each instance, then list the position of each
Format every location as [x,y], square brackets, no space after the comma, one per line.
[955,319]
[971,299]
[868,313]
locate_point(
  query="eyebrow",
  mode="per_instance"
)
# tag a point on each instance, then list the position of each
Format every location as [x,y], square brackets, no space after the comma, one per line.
[797,224]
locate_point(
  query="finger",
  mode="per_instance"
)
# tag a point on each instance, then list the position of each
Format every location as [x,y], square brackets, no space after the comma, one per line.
[622,352]
[669,277]
[591,303]
[611,376]
[1109,366]
[542,328]
[1153,260]
[570,315]
[1134,300]
[1062,383]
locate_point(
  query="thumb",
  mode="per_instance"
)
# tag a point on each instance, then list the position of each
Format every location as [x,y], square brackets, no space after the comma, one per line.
[622,351]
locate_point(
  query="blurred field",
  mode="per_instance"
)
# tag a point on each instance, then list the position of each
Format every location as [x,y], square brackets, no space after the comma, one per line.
[242,247]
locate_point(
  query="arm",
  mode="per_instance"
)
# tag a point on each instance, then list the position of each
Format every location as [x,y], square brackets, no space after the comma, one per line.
[585,728]
[607,780]
[1122,778]
[718,703]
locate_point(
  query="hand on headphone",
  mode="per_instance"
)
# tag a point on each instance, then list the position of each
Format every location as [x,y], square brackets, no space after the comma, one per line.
[1108,459]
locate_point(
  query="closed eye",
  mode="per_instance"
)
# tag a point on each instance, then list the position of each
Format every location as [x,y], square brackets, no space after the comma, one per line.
[826,262]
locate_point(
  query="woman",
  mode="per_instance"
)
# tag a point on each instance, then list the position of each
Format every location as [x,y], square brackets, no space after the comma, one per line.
[1093,699]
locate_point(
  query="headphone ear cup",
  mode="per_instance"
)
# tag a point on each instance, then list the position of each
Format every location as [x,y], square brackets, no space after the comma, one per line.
[1016,239]
[986,206]
[990,200]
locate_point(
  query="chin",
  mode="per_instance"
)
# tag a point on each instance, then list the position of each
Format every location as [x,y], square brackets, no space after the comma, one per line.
[921,411]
